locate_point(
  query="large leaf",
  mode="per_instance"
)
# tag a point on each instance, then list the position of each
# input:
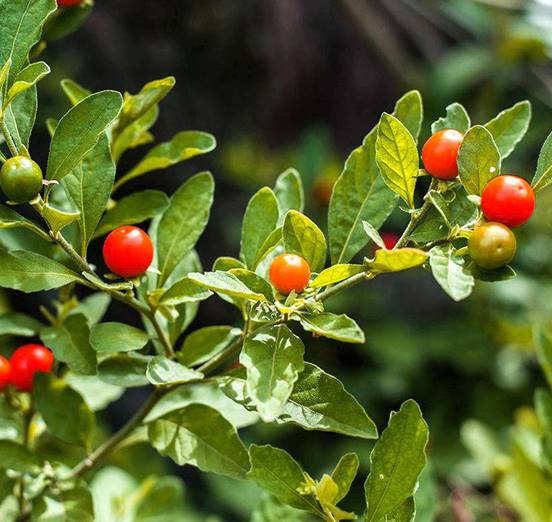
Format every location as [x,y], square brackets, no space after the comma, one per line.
[303,237]
[409,110]
[117,337]
[200,436]
[478,160]
[184,291]
[289,193]
[396,260]
[27,78]
[509,127]
[450,272]
[273,358]
[30,272]
[260,219]
[396,462]
[89,187]
[339,327]
[183,222]
[543,174]
[79,130]
[456,118]
[204,343]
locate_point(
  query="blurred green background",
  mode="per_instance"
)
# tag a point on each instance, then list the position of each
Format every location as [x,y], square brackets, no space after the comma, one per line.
[298,83]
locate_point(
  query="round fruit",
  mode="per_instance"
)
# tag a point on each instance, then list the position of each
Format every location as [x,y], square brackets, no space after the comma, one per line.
[20,179]
[390,239]
[4,372]
[510,200]
[128,251]
[492,245]
[26,361]
[440,152]
[289,272]
[68,3]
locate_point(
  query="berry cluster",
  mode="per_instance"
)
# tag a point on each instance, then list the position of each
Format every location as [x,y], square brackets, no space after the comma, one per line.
[20,369]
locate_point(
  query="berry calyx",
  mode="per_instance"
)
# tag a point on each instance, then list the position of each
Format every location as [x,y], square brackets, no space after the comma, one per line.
[128,251]
[288,273]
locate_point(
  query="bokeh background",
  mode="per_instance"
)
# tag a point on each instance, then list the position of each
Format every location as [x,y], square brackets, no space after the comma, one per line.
[298,83]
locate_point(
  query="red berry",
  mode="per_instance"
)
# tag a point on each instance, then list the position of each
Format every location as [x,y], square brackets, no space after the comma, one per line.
[390,239]
[509,200]
[440,153]
[128,251]
[289,272]
[4,372]
[26,361]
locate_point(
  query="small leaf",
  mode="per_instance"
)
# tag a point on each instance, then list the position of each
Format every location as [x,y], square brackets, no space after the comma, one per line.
[200,436]
[17,457]
[124,369]
[543,174]
[303,237]
[543,346]
[338,327]
[224,283]
[344,474]
[27,78]
[373,234]
[184,291]
[478,160]
[136,133]
[509,127]
[117,337]
[335,274]
[20,115]
[456,118]
[450,272]
[396,260]
[58,219]
[204,343]
[397,157]
[289,193]
[74,92]
[164,371]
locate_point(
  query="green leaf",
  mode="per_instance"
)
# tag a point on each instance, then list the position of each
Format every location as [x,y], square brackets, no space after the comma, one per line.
[183,222]
[478,160]
[338,327]
[79,130]
[273,358]
[454,206]
[277,472]
[20,117]
[30,272]
[543,408]
[75,92]
[71,344]
[303,237]
[184,291]
[133,209]
[272,510]
[270,243]
[254,282]
[289,193]
[509,127]
[22,22]
[11,219]
[17,457]
[397,158]
[543,346]
[396,462]
[27,78]
[20,325]
[409,110]
[64,411]
[89,187]
[200,436]
[64,505]
[456,118]
[335,274]
[344,474]
[404,513]
[96,393]
[450,272]
[58,219]
[183,146]
[136,134]
[93,307]
[396,260]
[204,343]
[260,219]
[373,234]
[117,337]
[543,174]
[224,283]
[164,371]
[124,369]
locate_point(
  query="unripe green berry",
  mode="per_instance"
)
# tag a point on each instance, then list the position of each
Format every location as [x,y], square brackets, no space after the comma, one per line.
[20,179]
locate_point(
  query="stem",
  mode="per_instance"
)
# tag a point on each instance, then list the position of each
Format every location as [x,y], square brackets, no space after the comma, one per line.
[9,139]
[219,359]
[351,281]
[161,334]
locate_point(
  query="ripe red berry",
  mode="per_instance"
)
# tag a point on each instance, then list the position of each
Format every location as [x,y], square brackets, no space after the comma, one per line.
[440,153]
[128,251]
[289,272]
[510,200]
[4,372]
[68,3]
[390,239]
[26,361]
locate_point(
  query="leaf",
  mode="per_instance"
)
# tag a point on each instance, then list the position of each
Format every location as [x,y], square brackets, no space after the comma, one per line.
[456,118]
[20,117]
[30,272]
[17,457]
[71,345]
[509,127]
[133,209]
[11,219]
[409,111]
[543,408]
[344,474]
[22,22]
[373,234]
[254,282]
[164,371]
[396,260]
[454,206]
[58,219]
[124,369]
[403,513]
[274,470]
[450,272]
[79,130]
[289,193]
[273,358]
[397,158]
[19,325]
[259,220]
[478,160]
[272,510]
[64,505]
[27,78]
[96,393]
[338,327]
[117,337]
[335,274]
[200,436]
[303,237]
[64,411]
[396,462]
[183,146]
[543,346]
[543,174]
[136,133]
[270,243]
[184,291]
[224,283]
[183,222]
[75,92]
[204,343]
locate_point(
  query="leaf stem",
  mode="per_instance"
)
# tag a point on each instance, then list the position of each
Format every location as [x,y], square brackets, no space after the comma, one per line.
[350,281]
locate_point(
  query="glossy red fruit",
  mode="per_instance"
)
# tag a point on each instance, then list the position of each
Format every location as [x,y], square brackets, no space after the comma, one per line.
[5,367]
[390,239]
[128,251]
[26,361]
[289,272]
[510,200]
[440,153]
[68,3]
